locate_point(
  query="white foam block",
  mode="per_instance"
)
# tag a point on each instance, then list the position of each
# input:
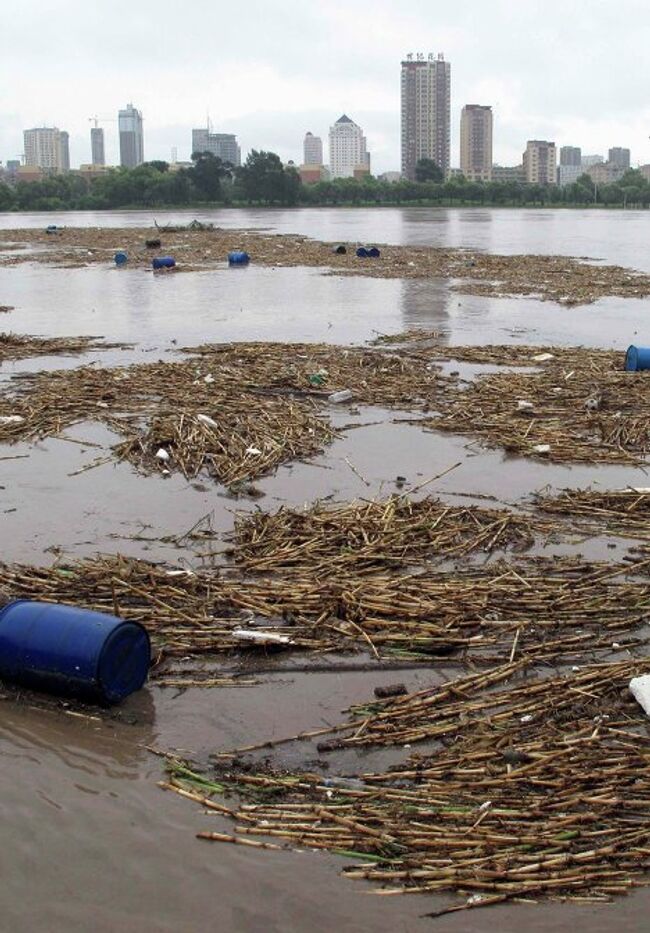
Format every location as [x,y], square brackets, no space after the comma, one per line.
[640,690]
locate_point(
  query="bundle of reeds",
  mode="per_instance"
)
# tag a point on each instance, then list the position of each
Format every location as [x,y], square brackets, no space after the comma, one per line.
[537,790]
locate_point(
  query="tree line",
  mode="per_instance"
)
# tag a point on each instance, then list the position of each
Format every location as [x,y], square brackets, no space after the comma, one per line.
[264,180]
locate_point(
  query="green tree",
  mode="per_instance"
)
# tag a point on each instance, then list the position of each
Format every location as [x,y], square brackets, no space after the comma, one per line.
[207,175]
[428,170]
[263,178]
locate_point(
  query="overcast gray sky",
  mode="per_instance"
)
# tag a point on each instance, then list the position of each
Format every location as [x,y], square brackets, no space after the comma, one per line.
[574,71]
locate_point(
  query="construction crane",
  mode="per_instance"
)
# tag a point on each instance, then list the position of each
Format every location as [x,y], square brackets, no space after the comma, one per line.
[96,120]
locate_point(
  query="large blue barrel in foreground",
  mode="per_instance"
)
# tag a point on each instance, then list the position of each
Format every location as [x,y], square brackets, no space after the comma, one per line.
[637,358]
[61,649]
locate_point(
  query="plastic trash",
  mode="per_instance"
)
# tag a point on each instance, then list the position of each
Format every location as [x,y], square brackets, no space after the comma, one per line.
[362,252]
[261,638]
[206,419]
[542,448]
[543,357]
[374,253]
[62,649]
[522,405]
[637,358]
[121,258]
[163,262]
[343,396]
[340,250]
[640,690]
[161,454]
[11,419]
[238,258]
[52,228]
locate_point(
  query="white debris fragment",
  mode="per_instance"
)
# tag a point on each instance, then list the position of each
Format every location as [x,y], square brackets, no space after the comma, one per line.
[179,573]
[526,718]
[209,379]
[485,806]
[640,690]
[523,405]
[474,899]
[543,357]
[161,454]
[542,448]
[11,419]
[253,451]
[343,396]
[206,419]
[261,638]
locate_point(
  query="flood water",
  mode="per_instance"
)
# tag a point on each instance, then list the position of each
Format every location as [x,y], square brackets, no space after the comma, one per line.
[89,840]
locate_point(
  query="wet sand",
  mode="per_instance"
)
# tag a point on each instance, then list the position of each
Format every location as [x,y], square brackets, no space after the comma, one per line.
[90,840]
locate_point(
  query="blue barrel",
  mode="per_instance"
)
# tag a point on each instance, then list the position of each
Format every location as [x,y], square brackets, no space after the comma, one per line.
[238,258]
[637,358]
[52,228]
[61,649]
[121,258]
[374,253]
[163,262]
[362,252]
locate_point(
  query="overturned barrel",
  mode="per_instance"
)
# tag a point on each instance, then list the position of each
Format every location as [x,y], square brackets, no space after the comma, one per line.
[340,250]
[374,253]
[121,258]
[238,258]
[362,252]
[163,262]
[637,358]
[153,243]
[70,651]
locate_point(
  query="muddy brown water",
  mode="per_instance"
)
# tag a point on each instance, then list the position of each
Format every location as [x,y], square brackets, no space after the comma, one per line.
[89,842]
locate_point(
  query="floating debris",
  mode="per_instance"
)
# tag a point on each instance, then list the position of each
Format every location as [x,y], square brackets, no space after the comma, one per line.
[565,280]
[537,790]
[20,346]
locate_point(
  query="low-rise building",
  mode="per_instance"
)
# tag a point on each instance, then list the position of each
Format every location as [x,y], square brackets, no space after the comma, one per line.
[508,173]
[604,173]
[568,174]
[589,160]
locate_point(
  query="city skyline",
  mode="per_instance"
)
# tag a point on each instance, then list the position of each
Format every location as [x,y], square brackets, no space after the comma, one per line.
[263,85]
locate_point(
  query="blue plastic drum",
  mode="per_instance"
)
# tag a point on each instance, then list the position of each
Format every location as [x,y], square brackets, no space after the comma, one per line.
[163,262]
[637,358]
[62,649]
[121,258]
[362,252]
[238,258]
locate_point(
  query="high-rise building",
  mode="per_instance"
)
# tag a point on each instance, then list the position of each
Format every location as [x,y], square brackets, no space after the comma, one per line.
[571,155]
[476,142]
[589,160]
[619,157]
[223,145]
[98,156]
[348,149]
[312,150]
[426,112]
[47,148]
[131,137]
[568,174]
[539,162]
[65,151]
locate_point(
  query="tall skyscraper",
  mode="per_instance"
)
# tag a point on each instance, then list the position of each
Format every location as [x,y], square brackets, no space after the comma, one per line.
[223,145]
[312,150]
[97,146]
[571,155]
[540,162]
[476,142]
[47,148]
[131,137]
[619,157]
[426,112]
[348,149]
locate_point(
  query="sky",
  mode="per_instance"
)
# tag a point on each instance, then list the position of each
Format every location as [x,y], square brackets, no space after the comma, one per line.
[573,71]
